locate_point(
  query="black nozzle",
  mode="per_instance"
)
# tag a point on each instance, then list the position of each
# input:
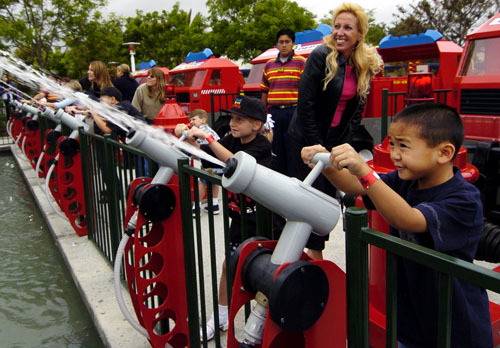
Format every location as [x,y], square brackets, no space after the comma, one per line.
[130,134]
[231,166]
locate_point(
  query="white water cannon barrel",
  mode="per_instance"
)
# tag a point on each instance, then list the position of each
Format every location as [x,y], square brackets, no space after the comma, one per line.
[163,154]
[288,197]
[29,109]
[49,113]
[71,121]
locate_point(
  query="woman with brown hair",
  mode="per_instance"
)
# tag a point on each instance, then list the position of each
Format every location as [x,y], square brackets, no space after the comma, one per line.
[125,82]
[149,97]
[99,78]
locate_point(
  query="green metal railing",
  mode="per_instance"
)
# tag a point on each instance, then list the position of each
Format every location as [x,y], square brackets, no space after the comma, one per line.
[358,237]
[194,248]
[108,168]
[397,100]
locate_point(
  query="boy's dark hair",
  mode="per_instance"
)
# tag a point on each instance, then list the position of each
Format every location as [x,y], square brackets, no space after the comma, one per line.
[436,122]
[198,112]
[289,32]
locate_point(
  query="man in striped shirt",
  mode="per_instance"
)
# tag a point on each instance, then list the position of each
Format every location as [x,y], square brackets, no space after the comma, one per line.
[280,90]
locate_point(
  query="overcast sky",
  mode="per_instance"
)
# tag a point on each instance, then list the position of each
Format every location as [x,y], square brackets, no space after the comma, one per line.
[383,9]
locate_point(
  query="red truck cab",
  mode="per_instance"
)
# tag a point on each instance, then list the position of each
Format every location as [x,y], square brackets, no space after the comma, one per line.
[428,52]
[476,88]
[305,43]
[202,74]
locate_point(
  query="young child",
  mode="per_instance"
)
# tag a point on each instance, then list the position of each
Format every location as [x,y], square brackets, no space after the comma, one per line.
[113,97]
[199,118]
[247,118]
[425,201]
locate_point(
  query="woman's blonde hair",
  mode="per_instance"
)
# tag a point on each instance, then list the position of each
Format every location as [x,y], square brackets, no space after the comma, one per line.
[101,74]
[367,62]
[160,85]
[125,69]
[74,85]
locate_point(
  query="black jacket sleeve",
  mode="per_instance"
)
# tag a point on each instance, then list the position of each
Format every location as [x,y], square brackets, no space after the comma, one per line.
[310,92]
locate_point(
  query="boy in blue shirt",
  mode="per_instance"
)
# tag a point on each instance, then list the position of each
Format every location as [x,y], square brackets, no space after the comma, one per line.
[425,201]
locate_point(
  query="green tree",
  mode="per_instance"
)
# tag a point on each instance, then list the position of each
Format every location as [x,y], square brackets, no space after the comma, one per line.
[34,29]
[99,39]
[245,28]
[166,37]
[452,18]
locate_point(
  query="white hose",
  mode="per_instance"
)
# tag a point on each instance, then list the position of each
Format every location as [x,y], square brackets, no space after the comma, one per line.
[47,180]
[119,296]
[8,127]
[23,144]
[37,168]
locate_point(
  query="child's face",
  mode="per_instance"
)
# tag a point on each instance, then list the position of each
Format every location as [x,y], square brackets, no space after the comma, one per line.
[243,127]
[196,121]
[413,157]
[107,100]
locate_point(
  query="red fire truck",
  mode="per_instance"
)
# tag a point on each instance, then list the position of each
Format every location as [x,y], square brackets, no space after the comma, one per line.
[476,95]
[202,74]
[435,58]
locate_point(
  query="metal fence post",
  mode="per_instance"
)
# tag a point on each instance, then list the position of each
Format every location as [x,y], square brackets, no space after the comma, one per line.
[87,181]
[189,254]
[111,181]
[356,278]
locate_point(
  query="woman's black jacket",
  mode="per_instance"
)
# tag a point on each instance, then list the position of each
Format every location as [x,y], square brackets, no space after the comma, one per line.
[311,122]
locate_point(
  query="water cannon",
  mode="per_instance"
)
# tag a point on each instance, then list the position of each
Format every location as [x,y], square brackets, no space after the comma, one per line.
[161,153]
[294,291]
[70,121]
[318,211]
[29,109]
[50,114]
[154,201]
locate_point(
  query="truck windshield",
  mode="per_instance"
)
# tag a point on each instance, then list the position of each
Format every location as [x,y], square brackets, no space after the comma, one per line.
[255,75]
[186,78]
[481,59]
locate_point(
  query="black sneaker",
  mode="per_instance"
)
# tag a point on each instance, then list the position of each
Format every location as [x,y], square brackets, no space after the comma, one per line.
[216,209]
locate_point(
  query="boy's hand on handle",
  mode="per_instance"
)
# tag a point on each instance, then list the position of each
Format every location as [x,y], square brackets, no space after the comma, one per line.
[179,128]
[196,133]
[344,156]
[308,152]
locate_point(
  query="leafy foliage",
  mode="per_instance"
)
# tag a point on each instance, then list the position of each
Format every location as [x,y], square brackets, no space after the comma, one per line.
[166,37]
[245,28]
[452,18]
[33,29]
[99,39]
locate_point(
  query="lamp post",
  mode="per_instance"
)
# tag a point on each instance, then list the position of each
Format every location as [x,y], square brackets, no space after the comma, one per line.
[131,49]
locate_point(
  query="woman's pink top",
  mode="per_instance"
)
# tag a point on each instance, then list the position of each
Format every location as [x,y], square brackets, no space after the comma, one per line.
[348,92]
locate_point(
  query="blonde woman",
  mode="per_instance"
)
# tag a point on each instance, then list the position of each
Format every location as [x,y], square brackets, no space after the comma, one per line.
[99,79]
[332,92]
[150,96]
[125,82]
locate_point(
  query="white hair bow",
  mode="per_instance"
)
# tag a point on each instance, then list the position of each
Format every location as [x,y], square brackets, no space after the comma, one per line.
[269,125]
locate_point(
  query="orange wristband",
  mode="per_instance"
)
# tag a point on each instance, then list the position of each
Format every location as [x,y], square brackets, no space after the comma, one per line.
[368,180]
[210,139]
